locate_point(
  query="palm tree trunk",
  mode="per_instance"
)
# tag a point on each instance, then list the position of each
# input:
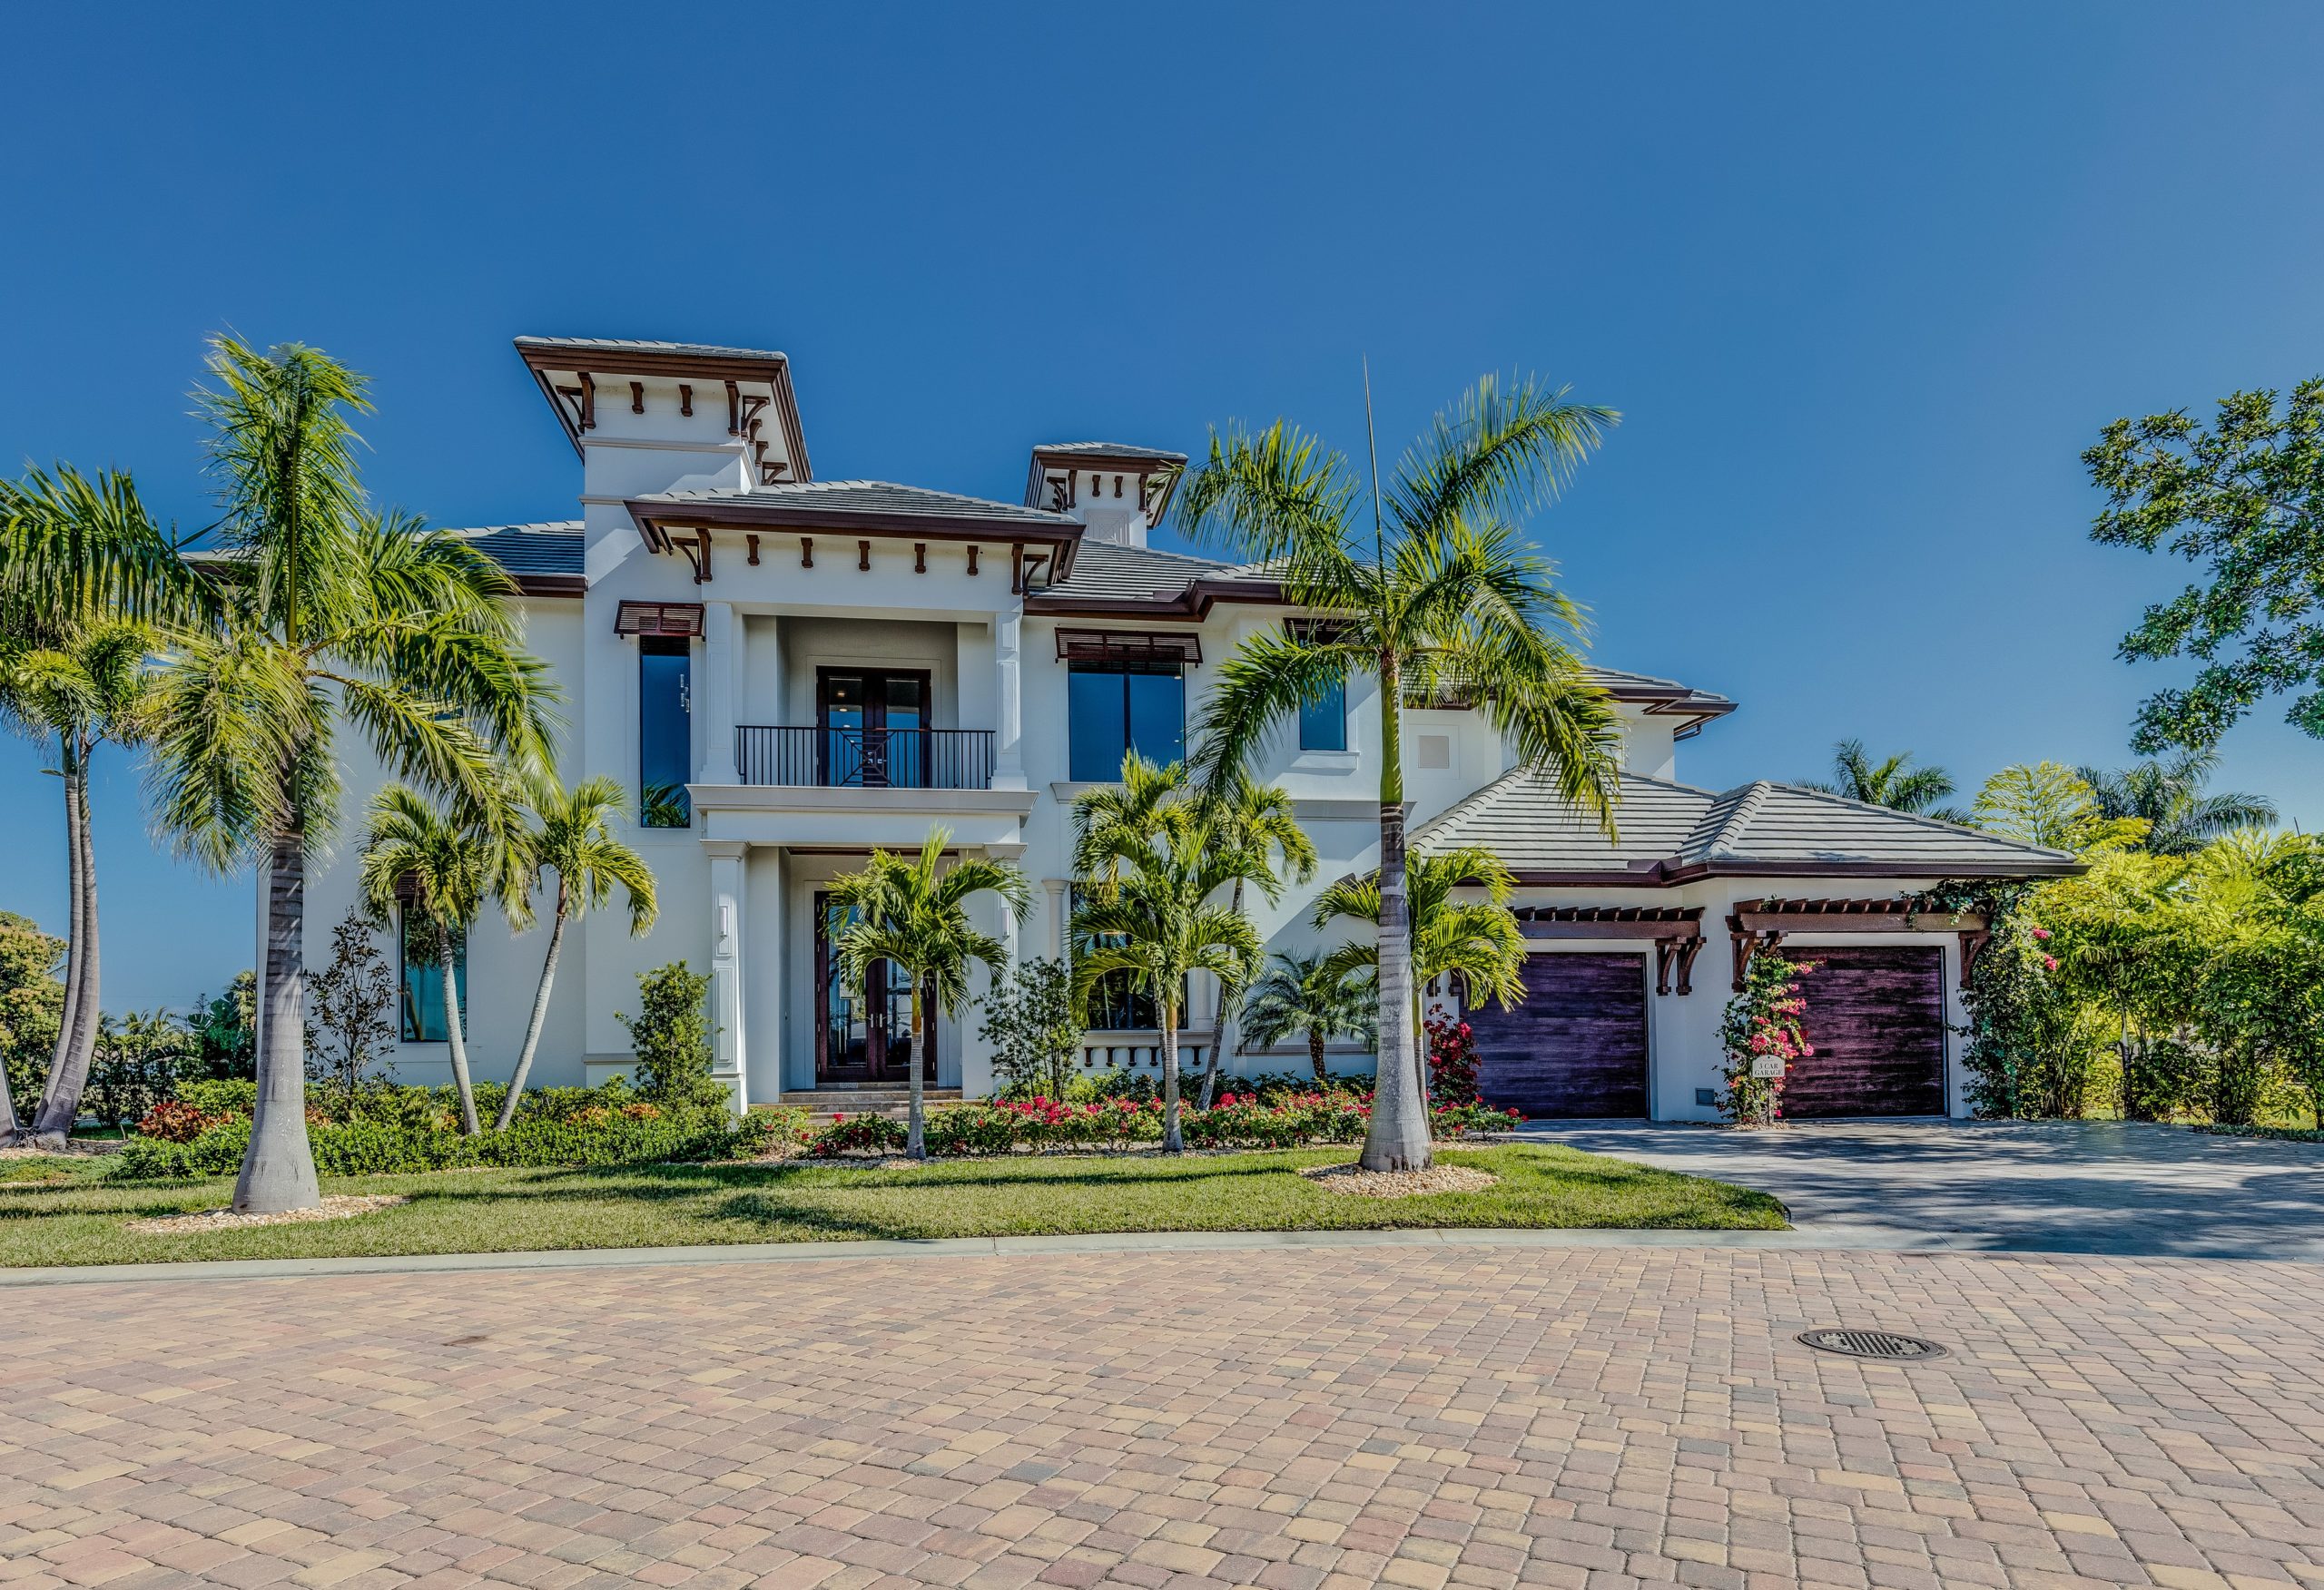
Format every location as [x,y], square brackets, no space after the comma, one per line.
[1316,1053]
[916,1113]
[68,1075]
[540,1014]
[1397,1138]
[455,1038]
[279,1168]
[1172,1141]
[67,1019]
[8,1110]
[1218,1025]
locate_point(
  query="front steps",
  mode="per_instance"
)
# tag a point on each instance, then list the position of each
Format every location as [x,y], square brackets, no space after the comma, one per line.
[895,1103]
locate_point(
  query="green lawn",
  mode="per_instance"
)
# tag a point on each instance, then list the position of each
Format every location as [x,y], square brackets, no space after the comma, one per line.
[500,1211]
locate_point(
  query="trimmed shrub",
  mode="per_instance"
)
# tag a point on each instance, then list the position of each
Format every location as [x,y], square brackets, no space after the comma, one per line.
[849,1135]
[1450,1120]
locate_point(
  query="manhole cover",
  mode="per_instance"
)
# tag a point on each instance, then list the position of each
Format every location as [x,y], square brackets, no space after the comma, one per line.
[1870,1344]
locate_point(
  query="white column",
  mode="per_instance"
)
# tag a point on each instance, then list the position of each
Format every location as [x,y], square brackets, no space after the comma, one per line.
[728,895]
[722,643]
[1055,889]
[1008,704]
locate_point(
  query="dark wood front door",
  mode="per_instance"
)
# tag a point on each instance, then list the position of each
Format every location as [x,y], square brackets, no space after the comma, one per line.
[871,728]
[1875,1015]
[1574,1047]
[863,1036]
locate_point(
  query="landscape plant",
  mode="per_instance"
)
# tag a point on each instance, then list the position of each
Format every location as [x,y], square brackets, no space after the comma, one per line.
[671,1038]
[1441,600]
[354,1005]
[1762,1036]
[1893,782]
[1152,913]
[1302,997]
[1254,817]
[76,681]
[32,1008]
[1471,943]
[438,871]
[1033,1027]
[571,835]
[913,913]
[331,614]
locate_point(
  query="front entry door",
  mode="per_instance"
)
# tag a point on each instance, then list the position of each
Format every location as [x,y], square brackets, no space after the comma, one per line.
[872,728]
[866,1036]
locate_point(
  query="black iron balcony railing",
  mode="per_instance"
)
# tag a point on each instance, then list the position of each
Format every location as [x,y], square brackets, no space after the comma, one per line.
[864,759]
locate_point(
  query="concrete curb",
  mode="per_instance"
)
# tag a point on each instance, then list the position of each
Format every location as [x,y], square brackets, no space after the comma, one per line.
[1836,1239]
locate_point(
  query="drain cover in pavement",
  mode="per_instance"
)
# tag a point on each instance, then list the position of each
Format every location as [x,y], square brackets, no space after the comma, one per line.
[1870,1344]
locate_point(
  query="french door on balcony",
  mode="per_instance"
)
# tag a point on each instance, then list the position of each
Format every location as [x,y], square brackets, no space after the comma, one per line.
[871,728]
[862,1036]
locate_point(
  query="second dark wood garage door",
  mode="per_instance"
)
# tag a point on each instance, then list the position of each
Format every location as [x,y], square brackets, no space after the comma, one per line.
[1576,1045]
[1876,1019]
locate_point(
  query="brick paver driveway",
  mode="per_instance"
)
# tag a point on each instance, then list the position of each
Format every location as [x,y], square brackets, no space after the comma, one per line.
[2049,1186]
[1484,1415]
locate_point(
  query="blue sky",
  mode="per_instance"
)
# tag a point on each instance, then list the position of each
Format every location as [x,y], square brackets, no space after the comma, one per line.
[1864,282]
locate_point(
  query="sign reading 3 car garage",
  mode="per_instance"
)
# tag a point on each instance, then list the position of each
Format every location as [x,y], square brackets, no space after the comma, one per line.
[1575,1045]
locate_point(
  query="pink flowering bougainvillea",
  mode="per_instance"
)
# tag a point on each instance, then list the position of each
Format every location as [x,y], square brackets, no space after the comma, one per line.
[1763,1024]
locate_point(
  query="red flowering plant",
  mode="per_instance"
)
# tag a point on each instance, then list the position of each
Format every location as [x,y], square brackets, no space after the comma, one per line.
[1451,1061]
[1763,1037]
[176,1121]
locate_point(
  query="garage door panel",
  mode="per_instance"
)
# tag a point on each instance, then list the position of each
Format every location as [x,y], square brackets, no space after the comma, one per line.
[1575,1045]
[1875,1015]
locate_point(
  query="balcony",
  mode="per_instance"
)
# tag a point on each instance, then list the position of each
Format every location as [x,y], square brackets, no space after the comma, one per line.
[806,755]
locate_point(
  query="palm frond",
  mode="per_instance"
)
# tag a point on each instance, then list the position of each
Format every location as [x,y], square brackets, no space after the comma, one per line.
[1501,453]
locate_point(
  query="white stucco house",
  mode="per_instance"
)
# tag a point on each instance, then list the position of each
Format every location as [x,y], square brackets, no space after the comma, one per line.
[789,671]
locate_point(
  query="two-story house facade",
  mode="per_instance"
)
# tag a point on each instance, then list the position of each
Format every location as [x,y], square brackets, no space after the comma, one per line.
[789,672]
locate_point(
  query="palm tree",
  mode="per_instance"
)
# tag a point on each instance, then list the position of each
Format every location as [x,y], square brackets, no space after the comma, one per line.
[332,613]
[572,838]
[1443,601]
[1151,916]
[2168,796]
[1256,817]
[440,870]
[1894,784]
[1302,995]
[915,915]
[1476,941]
[79,682]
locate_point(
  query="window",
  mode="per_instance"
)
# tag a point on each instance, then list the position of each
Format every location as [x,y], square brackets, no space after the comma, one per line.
[421,994]
[1114,708]
[665,734]
[1119,1001]
[1323,723]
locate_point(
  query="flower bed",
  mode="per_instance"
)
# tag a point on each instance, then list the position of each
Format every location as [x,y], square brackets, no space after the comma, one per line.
[1287,1119]
[385,1130]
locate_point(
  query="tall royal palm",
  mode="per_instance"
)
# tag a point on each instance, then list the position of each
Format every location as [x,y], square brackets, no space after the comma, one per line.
[572,835]
[77,683]
[914,915]
[1440,599]
[334,615]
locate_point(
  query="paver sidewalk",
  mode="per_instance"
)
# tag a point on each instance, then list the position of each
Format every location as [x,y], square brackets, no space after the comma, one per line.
[1309,1417]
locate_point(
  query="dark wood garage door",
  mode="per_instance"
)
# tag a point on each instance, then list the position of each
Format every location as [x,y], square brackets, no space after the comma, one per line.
[1575,1045]
[1876,1019]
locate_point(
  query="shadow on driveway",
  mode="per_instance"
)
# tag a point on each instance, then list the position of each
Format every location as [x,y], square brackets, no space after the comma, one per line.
[2051,1187]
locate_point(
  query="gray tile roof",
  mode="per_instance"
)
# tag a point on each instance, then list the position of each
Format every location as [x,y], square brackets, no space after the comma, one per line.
[870,496]
[553,547]
[1667,826]
[1529,825]
[619,344]
[1112,450]
[1107,571]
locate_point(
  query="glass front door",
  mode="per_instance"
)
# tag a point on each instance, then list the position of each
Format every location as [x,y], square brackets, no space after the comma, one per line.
[862,1036]
[871,729]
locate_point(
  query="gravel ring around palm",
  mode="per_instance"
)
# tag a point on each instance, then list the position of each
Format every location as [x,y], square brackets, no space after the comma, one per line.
[335,1206]
[1353,1179]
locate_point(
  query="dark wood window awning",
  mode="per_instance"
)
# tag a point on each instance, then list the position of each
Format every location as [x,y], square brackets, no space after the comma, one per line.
[1676,932]
[659,618]
[1132,646]
[1757,924]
